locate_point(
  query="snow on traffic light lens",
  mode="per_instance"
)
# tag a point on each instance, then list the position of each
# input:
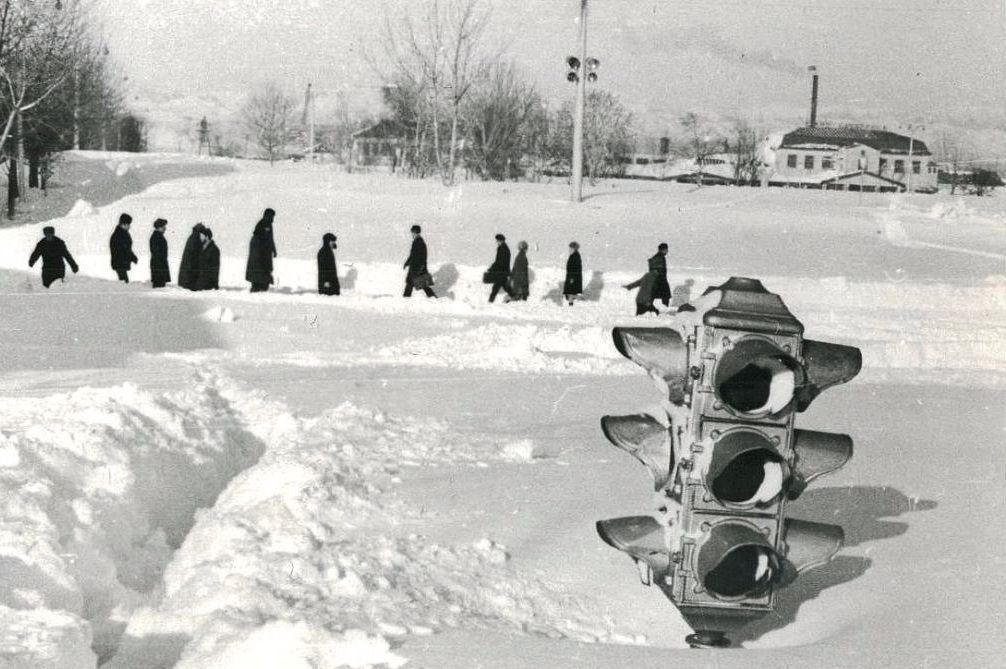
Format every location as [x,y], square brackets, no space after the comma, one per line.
[756,378]
[754,477]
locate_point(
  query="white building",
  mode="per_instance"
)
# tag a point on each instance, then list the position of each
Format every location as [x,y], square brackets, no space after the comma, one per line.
[853,158]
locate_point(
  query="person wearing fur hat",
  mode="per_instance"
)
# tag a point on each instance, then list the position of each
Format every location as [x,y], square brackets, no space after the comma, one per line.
[328,276]
[160,273]
[52,250]
[209,262]
[261,251]
[188,269]
[120,244]
[499,271]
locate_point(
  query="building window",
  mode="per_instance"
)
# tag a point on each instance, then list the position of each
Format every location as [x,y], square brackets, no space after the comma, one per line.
[827,163]
[808,162]
[883,165]
[916,167]
[791,160]
[899,166]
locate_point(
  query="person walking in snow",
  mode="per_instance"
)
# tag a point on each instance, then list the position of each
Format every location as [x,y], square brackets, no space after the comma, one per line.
[573,285]
[188,269]
[657,264]
[418,276]
[519,281]
[52,250]
[328,276]
[160,273]
[209,262]
[120,244]
[261,251]
[644,296]
[499,271]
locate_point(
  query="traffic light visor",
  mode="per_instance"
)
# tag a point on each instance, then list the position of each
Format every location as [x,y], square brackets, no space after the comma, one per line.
[646,439]
[573,62]
[662,352]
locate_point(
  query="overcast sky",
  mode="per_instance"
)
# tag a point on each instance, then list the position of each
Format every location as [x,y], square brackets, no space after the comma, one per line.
[892,60]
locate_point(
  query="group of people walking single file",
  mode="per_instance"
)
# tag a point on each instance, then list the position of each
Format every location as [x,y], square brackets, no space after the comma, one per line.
[199,268]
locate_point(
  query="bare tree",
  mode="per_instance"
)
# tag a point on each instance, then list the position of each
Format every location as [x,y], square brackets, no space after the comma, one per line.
[35,40]
[269,117]
[743,144]
[503,121]
[700,141]
[955,154]
[437,56]
[607,135]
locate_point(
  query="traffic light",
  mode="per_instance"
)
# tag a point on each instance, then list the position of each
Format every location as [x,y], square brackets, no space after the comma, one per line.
[725,457]
[573,73]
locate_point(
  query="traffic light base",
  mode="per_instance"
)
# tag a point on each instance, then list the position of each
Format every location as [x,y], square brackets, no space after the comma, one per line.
[707,639]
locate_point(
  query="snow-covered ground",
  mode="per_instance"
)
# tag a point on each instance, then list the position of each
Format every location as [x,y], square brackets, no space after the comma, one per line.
[208,480]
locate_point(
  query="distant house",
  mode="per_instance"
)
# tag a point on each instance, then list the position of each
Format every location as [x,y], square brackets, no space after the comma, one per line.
[853,158]
[715,168]
[382,145]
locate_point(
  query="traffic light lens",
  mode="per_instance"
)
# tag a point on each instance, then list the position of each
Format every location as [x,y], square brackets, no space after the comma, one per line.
[753,477]
[765,385]
[746,571]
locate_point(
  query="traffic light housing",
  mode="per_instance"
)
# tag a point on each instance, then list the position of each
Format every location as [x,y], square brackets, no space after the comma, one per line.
[573,72]
[734,369]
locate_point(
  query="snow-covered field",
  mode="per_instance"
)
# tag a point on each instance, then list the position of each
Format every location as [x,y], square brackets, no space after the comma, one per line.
[227,480]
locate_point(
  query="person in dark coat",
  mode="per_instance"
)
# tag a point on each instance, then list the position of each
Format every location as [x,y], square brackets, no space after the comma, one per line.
[188,269]
[658,265]
[209,262]
[573,285]
[645,297]
[160,273]
[519,281]
[52,250]
[121,246]
[417,276]
[499,271]
[261,251]
[328,276]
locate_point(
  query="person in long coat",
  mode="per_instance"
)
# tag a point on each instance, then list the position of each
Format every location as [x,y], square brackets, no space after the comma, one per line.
[417,276]
[160,273]
[209,262]
[573,285]
[188,269]
[658,265]
[328,276]
[261,251]
[52,250]
[499,271]
[519,280]
[120,244]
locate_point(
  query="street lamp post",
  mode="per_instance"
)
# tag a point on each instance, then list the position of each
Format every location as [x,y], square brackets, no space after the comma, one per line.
[581,89]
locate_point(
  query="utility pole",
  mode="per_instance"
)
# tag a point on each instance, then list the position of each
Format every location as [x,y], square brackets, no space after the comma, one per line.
[309,118]
[581,91]
[908,167]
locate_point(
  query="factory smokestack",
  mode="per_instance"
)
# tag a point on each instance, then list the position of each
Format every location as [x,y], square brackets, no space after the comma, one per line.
[813,96]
